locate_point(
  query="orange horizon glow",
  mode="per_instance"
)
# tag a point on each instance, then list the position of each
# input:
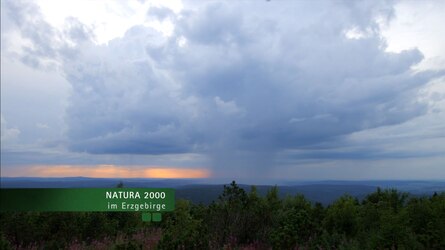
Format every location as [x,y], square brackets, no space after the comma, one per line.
[111,171]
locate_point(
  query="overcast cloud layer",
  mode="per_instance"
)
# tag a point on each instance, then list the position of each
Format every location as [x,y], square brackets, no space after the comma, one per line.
[254,87]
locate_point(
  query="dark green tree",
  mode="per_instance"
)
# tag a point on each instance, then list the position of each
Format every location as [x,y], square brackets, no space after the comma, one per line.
[182,231]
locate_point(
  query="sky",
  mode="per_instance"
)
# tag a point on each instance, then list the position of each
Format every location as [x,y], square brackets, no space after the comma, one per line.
[245,90]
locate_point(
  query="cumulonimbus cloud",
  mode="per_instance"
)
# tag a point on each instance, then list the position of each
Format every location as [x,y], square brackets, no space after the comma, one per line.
[238,80]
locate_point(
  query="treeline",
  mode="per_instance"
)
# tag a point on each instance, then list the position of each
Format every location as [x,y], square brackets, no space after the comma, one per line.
[385,219]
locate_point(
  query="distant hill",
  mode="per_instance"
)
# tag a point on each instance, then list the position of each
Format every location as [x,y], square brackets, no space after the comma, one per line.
[85,182]
[323,193]
[199,192]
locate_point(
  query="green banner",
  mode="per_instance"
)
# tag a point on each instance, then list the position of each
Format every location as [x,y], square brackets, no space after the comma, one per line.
[88,199]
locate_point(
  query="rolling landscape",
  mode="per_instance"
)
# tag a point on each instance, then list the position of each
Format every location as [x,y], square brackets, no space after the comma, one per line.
[198,191]
[307,215]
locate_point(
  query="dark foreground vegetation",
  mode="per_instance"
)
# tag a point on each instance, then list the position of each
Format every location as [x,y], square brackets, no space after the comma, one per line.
[385,219]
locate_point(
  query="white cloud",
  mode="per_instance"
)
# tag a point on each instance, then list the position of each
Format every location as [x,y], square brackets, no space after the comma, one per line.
[42,125]
[228,108]
[8,134]
[418,25]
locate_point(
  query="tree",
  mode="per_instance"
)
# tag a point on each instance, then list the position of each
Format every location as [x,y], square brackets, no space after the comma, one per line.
[342,217]
[296,227]
[182,231]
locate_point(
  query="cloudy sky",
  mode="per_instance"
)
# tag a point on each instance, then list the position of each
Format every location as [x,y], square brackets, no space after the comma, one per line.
[254,90]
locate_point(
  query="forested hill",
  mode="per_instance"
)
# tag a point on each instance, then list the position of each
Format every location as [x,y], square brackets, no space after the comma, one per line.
[323,193]
[197,191]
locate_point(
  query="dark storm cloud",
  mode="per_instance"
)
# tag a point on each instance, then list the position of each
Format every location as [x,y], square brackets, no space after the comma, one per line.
[243,80]
[236,81]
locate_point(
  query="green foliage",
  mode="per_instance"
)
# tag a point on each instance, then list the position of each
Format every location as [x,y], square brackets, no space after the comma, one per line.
[426,218]
[296,226]
[182,231]
[4,243]
[228,217]
[342,217]
[385,219]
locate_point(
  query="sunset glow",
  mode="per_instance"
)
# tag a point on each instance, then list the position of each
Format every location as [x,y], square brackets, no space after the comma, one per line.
[110,171]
